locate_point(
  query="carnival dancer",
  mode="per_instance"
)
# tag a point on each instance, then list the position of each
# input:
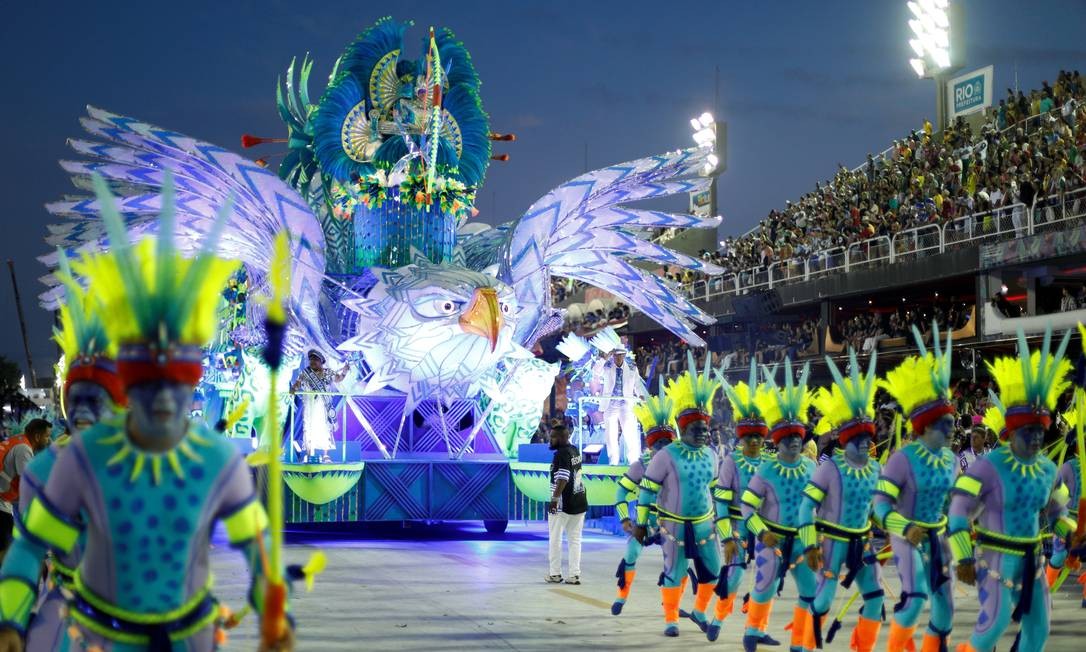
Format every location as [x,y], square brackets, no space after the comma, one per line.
[92,392]
[316,381]
[620,387]
[1063,563]
[1003,497]
[837,503]
[911,496]
[677,482]
[151,486]
[770,506]
[733,477]
[656,414]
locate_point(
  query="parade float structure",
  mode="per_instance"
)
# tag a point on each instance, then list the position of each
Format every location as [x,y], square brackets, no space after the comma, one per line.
[435,316]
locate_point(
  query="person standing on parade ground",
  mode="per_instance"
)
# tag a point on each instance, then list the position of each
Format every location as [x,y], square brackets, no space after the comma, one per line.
[567,508]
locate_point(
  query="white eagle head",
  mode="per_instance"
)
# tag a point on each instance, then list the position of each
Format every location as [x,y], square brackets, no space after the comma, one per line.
[433,330]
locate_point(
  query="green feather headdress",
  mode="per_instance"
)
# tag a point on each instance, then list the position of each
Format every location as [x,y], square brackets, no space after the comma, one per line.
[149,293]
[848,406]
[692,393]
[1030,385]
[744,397]
[81,334]
[656,414]
[785,408]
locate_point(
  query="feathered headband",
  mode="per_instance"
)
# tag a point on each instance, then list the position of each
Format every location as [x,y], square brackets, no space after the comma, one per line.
[847,406]
[158,306]
[656,414]
[692,393]
[745,410]
[785,408]
[89,354]
[1030,384]
[921,383]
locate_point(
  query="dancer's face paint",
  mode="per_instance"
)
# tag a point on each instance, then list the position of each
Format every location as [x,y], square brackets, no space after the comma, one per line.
[790,448]
[1028,441]
[86,404]
[158,414]
[696,434]
[752,446]
[858,448]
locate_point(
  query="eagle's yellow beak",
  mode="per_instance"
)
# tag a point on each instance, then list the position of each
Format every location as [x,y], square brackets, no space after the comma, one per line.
[483,317]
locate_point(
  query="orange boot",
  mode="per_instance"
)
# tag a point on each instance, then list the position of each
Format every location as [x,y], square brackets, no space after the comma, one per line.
[722,610]
[809,641]
[624,585]
[901,638]
[1051,575]
[865,635]
[802,628]
[757,621]
[701,603]
[932,642]
[965,647]
[670,597]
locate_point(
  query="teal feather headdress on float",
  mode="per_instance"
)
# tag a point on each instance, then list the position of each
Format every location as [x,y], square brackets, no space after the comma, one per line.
[785,408]
[400,145]
[744,400]
[847,406]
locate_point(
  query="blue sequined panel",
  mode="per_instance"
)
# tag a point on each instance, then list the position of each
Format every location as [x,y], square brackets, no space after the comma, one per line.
[788,483]
[857,491]
[934,475]
[1026,489]
[696,468]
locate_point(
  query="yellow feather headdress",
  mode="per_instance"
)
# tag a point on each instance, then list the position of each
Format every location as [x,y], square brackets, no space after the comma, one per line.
[656,414]
[785,408]
[848,406]
[921,383]
[1031,384]
[746,400]
[692,393]
[149,293]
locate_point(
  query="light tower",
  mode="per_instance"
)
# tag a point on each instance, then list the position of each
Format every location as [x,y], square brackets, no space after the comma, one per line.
[938,55]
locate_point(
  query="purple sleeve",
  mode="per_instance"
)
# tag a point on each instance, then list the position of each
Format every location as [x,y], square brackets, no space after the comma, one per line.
[636,471]
[64,490]
[757,487]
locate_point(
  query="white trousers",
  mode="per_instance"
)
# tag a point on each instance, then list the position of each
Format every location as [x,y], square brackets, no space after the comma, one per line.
[622,415]
[572,524]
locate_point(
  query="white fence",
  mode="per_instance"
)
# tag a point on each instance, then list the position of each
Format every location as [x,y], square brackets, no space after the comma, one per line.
[910,244]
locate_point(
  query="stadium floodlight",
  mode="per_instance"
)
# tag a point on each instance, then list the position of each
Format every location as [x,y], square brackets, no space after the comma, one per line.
[713,160]
[930,27]
[695,124]
[706,119]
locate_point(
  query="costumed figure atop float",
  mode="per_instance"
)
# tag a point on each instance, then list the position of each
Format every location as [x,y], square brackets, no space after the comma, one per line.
[911,495]
[151,480]
[770,506]
[1004,496]
[656,414]
[837,503]
[733,478]
[374,193]
[677,482]
[620,387]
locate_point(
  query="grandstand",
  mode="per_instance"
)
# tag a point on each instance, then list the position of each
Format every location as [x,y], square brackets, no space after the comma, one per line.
[979,228]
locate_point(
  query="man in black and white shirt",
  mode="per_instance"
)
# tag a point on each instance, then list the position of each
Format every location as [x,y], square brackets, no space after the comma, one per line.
[568,505]
[977,447]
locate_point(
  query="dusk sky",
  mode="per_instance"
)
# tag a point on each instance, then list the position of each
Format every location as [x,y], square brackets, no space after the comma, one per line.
[803,86]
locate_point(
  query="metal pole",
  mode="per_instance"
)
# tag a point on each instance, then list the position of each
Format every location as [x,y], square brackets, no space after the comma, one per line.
[22,325]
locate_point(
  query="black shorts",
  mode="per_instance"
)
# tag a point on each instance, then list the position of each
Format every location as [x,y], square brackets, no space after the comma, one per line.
[7,528]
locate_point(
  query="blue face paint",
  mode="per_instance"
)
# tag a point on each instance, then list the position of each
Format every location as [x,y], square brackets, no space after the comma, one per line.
[86,404]
[790,447]
[858,449]
[159,413]
[1028,441]
[696,434]
[937,435]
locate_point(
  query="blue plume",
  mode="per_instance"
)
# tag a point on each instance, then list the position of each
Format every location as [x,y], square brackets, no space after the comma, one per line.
[371,45]
[463,104]
[339,98]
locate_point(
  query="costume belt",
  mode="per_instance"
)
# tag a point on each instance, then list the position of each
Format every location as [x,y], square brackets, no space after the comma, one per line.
[668,516]
[1024,547]
[63,575]
[855,540]
[786,546]
[154,630]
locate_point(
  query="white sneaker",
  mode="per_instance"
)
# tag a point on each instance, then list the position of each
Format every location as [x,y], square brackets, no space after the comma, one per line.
[576,579]
[552,579]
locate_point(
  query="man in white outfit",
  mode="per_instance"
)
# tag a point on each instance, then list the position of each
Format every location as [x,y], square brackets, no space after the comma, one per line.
[621,389]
